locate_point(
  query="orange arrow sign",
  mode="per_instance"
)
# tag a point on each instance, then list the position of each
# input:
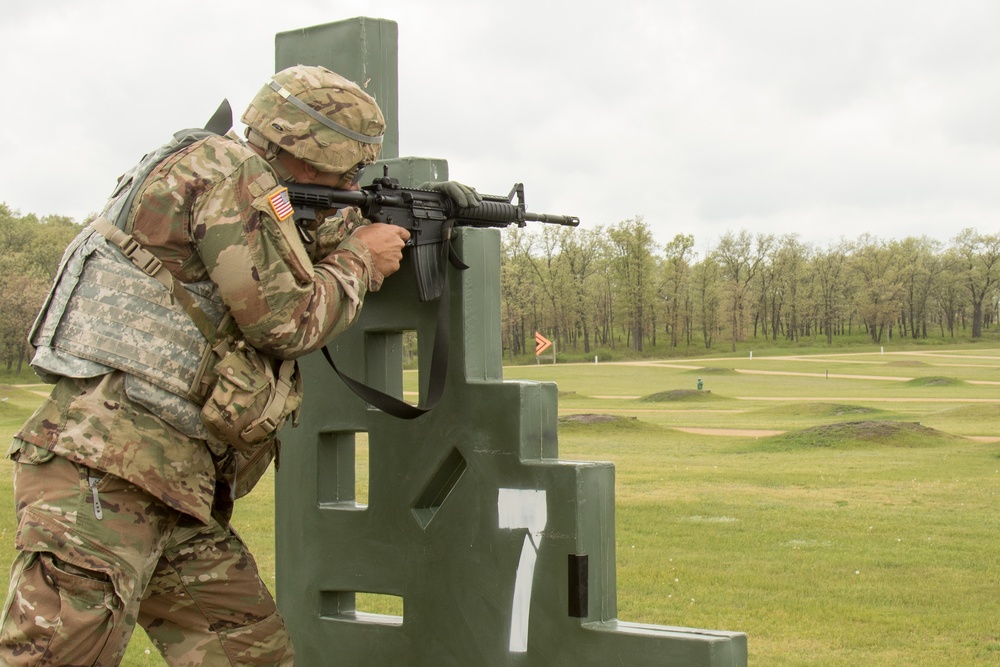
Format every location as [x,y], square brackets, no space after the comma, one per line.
[541,343]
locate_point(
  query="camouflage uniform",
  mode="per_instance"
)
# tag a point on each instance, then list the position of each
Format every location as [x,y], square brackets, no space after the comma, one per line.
[122,517]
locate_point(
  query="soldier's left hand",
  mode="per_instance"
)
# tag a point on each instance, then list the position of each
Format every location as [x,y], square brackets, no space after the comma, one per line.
[464,196]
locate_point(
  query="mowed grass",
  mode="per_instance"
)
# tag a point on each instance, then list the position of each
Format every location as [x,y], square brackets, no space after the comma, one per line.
[824,556]
[862,532]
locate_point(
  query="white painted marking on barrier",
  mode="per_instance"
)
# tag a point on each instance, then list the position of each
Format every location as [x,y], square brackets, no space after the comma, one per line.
[523,509]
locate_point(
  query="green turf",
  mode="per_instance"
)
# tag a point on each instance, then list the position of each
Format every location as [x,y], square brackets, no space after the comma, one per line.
[863,533]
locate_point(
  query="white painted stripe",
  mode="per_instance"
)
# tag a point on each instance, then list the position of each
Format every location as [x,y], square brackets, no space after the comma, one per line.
[523,509]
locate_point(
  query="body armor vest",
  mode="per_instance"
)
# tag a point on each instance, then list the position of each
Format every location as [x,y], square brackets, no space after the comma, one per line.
[104,313]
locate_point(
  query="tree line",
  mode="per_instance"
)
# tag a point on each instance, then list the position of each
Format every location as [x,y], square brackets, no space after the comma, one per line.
[30,250]
[616,288]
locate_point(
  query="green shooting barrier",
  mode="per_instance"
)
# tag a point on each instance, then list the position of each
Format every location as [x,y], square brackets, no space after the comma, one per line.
[483,547]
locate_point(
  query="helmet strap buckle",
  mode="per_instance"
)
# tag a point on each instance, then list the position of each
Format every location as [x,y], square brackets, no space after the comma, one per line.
[271,151]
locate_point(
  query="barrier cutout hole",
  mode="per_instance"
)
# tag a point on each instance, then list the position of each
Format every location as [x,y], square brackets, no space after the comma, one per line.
[391,363]
[361,607]
[438,487]
[342,469]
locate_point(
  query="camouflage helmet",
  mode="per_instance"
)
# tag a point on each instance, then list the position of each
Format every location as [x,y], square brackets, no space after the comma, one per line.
[319,117]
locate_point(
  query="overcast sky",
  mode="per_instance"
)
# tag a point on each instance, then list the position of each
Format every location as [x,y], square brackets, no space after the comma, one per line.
[822,119]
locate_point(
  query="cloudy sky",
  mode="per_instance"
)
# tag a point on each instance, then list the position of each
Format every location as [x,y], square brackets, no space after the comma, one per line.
[826,119]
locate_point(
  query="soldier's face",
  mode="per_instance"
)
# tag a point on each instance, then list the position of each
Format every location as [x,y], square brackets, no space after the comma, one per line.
[327,179]
[303,172]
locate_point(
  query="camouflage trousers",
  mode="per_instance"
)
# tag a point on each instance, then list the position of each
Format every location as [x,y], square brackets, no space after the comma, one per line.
[96,555]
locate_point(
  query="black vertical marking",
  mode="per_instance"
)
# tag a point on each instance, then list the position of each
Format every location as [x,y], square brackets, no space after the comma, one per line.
[579,570]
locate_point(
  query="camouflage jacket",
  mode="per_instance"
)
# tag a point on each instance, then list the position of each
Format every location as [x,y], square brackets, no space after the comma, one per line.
[206,212]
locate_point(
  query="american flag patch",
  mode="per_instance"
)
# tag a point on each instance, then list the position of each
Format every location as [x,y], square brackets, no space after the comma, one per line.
[279,203]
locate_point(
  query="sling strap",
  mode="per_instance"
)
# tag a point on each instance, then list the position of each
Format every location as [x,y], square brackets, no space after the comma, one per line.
[439,356]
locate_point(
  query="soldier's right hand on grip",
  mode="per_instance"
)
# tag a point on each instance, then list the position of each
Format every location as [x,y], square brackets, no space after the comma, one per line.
[385,243]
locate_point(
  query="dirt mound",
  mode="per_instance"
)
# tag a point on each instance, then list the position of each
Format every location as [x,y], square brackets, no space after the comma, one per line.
[604,425]
[971,412]
[677,395]
[868,433]
[590,418]
[820,409]
[934,381]
[711,370]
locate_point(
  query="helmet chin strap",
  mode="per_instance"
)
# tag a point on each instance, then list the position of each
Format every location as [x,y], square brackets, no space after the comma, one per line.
[271,152]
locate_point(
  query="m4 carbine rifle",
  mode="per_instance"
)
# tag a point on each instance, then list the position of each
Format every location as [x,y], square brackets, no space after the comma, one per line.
[428,215]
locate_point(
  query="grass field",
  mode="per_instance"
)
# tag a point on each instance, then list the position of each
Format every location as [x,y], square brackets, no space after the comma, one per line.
[839,508]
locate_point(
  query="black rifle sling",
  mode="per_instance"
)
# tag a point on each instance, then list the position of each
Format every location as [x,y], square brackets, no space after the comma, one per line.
[439,357]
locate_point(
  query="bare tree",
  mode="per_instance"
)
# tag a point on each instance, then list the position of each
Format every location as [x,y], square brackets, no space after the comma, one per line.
[582,250]
[830,269]
[979,255]
[876,271]
[740,258]
[677,285]
[516,289]
[706,286]
[632,261]
[921,266]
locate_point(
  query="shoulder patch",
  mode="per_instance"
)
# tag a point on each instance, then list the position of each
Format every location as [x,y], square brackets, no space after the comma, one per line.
[280,204]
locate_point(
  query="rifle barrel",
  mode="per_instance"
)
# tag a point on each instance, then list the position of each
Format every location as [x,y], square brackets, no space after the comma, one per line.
[565,220]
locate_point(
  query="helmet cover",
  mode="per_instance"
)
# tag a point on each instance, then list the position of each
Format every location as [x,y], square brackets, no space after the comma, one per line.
[319,117]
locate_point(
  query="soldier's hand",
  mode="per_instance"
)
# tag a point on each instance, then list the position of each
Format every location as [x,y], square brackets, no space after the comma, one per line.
[464,196]
[385,243]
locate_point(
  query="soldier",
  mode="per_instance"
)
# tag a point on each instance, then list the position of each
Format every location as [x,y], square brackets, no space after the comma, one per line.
[169,314]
